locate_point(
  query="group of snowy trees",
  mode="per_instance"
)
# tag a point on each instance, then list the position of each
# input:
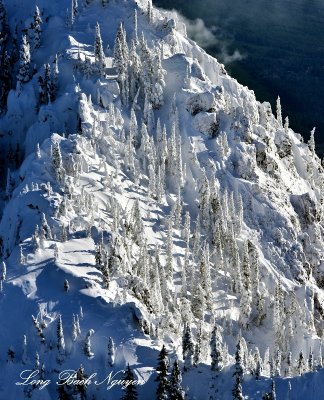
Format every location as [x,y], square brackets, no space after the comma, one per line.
[30,42]
[169,382]
[10,53]
[139,69]
[48,83]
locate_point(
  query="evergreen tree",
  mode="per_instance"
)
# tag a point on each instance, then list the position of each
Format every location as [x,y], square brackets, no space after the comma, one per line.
[149,11]
[57,161]
[74,329]
[272,394]
[301,364]
[60,340]
[198,302]
[24,62]
[105,275]
[54,79]
[75,7]
[66,285]
[198,345]
[258,364]
[286,126]
[205,278]
[130,390]
[187,347]
[4,27]
[158,83]
[216,350]
[81,389]
[136,223]
[121,62]
[135,32]
[278,316]
[311,142]
[204,201]
[98,51]
[24,357]
[87,344]
[162,391]
[36,29]
[237,390]
[310,360]
[279,113]
[5,77]
[238,367]
[169,248]
[245,308]
[176,391]
[37,362]
[111,352]
[3,271]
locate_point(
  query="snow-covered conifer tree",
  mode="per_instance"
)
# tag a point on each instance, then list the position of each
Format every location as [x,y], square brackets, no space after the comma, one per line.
[198,346]
[60,340]
[135,32]
[158,83]
[176,391]
[3,271]
[77,324]
[134,72]
[24,61]
[187,347]
[162,145]
[216,350]
[186,228]
[66,285]
[169,248]
[310,360]
[279,112]
[87,344]
[286,126]
[130,391]
[238,372]
[121,62]
[133,130]
[46,228]
[36,29]
[204,201]
[205,277]
[54,80]
[301,364]
[74,332]
[57,161]
[311,142]
[24,357]
[236,267]
[37,362]
[4,27]
[75,7]
[162,369]
[149,11]
[111,350]
[98,51]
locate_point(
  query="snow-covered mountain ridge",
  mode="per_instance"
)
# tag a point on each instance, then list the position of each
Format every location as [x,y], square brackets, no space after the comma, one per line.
[152,190]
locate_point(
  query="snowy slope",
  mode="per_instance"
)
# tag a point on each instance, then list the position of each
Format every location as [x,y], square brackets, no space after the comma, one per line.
[252,188]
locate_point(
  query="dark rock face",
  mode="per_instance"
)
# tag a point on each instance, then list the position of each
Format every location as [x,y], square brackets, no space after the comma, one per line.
[304,207]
